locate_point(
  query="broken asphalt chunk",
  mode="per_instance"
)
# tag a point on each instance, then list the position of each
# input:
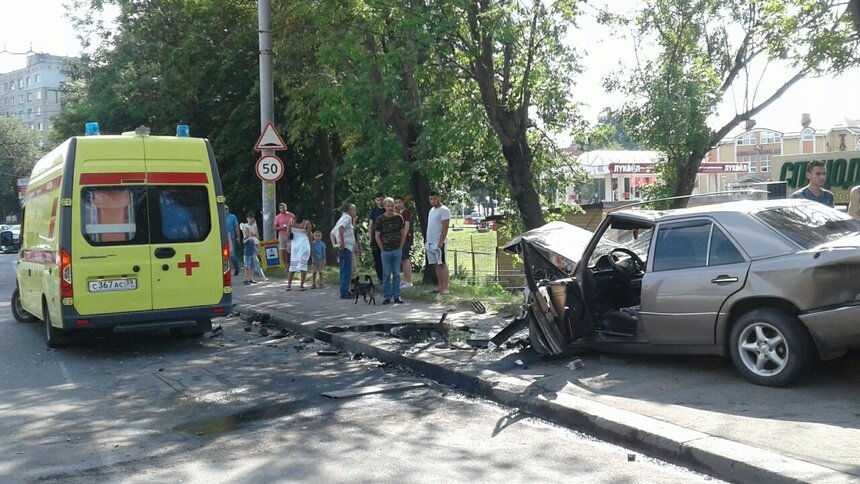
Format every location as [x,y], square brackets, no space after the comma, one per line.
[307,339]
[282,334]
[478,307]
[216,331]
[369,390]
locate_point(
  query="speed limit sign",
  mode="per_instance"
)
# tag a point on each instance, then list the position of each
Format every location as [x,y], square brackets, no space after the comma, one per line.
[270,168]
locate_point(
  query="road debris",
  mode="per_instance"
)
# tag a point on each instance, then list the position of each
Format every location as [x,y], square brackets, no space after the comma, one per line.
[369,390]
[575,364]
[478,307]
[216,331]
[521,364]
[328,352]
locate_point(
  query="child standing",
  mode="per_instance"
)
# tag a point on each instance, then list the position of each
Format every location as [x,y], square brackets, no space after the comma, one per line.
[249,232]
[318,251]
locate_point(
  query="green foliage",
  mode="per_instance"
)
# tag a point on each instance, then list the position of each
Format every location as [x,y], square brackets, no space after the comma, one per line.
[19,151]
[710,47]
[371,94]
[170,62]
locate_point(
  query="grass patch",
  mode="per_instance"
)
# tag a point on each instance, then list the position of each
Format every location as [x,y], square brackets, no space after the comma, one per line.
[463,243]
[495,297]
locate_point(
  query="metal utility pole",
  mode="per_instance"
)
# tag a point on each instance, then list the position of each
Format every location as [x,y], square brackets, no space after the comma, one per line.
[267,108]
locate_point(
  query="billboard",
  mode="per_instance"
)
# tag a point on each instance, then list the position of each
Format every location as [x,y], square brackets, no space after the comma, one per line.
[843,171]
[22,189]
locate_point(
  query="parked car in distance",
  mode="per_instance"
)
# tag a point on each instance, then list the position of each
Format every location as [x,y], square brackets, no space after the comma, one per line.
[10,238]
[771,284]
[473,218]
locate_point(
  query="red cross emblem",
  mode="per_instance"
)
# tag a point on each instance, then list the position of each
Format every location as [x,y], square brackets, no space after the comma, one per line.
[188,265]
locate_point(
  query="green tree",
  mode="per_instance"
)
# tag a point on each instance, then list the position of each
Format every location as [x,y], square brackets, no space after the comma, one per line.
[709,49]
[516,55]
[168,62]
[19,151]
[610,133]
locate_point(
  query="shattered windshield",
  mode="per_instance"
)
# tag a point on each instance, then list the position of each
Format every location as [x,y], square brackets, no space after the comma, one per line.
[638,240]
[810,225]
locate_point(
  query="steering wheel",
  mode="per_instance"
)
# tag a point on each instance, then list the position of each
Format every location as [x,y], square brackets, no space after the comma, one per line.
[636,268]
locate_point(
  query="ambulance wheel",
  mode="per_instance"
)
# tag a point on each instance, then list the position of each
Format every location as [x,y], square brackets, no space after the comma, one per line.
[18,311]
[54,337]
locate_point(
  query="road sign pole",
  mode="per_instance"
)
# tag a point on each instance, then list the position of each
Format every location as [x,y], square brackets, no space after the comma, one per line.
[267,109]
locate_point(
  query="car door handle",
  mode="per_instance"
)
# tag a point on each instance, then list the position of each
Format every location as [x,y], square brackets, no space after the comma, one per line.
[724,280]
[164,252]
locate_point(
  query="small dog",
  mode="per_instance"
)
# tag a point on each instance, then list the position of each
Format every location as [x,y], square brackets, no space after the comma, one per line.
[364,289]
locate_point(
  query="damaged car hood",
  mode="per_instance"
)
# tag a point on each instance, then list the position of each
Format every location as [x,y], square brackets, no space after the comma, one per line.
[561,243]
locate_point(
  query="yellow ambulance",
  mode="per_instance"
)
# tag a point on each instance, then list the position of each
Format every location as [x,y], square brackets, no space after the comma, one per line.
[124,233]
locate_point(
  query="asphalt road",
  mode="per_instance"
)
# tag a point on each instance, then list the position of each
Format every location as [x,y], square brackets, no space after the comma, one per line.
[155,408]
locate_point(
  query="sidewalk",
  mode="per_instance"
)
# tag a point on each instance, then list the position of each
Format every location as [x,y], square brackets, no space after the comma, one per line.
[694,410]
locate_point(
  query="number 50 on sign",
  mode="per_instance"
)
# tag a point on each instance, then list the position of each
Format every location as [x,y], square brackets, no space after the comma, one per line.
[270,168]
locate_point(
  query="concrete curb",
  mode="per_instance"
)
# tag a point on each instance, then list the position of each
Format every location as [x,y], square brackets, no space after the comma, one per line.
[720,457]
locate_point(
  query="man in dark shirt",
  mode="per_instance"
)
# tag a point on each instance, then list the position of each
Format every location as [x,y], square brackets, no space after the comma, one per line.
[406,255]
[816,173]
[390,235]
[374,248]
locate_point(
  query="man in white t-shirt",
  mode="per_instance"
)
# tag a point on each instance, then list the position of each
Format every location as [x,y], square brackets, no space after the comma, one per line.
[343,241]
[437,237]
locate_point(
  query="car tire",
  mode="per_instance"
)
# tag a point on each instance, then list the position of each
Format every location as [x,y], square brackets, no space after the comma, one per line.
[770,347]
[54,337]
[18,311]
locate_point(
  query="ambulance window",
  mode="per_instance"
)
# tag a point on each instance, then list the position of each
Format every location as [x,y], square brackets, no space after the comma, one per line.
[179,213]
[114,215]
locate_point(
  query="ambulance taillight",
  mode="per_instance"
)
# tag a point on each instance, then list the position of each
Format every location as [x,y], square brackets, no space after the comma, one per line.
[225,265]
[65,274]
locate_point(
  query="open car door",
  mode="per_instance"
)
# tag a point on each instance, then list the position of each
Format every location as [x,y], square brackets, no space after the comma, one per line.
[555,306]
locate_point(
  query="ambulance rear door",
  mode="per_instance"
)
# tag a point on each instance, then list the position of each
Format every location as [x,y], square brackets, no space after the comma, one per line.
[110,249]
[184,224]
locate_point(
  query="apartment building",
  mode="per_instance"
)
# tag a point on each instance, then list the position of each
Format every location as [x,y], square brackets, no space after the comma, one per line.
[33,94]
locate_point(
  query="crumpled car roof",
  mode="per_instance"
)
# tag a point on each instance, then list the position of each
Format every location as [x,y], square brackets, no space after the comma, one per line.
[560,242]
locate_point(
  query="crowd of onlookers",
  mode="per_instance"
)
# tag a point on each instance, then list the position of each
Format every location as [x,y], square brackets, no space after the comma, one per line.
[390,239]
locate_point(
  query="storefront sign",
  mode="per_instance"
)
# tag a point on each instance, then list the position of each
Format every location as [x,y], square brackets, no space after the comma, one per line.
[724,167]
[631,168]
[648,168]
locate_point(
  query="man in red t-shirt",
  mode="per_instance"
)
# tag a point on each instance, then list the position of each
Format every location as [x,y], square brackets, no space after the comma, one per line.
[282,227]
[406,257]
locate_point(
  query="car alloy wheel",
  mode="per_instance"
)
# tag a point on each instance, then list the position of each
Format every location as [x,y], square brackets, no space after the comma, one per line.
[763,350]
[770,347]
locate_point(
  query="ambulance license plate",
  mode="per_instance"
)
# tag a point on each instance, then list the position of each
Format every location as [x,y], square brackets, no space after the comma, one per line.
[112,285]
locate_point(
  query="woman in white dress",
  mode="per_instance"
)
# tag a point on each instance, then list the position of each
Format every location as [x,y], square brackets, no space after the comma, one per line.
[300,230]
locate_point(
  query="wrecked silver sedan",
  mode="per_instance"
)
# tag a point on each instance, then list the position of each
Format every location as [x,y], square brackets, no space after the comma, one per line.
[772,284]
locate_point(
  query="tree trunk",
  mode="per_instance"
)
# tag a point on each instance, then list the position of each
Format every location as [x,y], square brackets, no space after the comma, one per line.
[519,158]
[328,165]
[854,8]
[686,179]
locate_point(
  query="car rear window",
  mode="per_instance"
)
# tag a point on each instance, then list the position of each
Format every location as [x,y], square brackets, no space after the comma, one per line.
[139,214]
[810,225]
[179,213]
[114,215]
